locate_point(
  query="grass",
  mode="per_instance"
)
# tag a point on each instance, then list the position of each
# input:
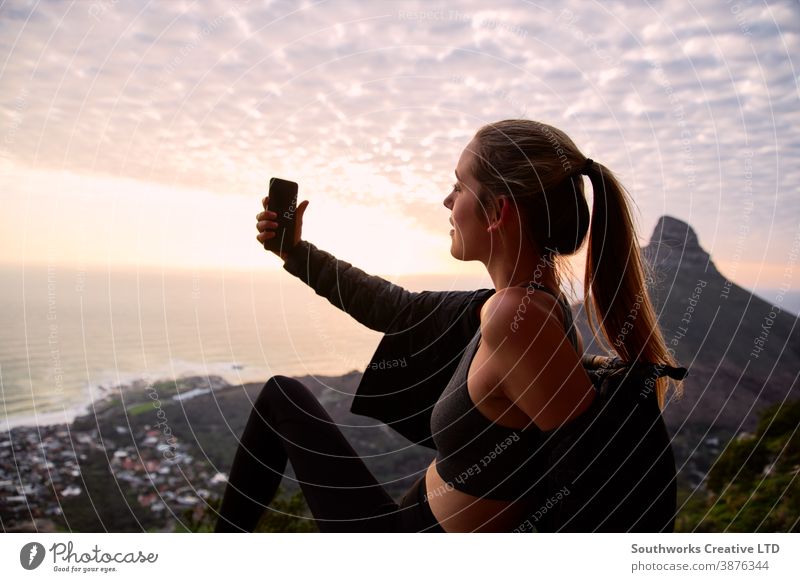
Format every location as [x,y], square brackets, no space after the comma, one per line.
[137,409]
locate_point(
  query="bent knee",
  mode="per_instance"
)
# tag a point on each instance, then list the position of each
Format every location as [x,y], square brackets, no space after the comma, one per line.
[280,388]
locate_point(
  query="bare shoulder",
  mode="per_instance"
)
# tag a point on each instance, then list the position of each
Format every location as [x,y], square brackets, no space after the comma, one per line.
[519,311]
[539,370]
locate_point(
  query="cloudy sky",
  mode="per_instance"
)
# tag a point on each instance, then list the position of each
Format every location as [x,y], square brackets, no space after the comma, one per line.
[145,133]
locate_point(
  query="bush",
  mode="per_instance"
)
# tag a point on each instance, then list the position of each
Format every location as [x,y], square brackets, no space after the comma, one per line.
[754,486]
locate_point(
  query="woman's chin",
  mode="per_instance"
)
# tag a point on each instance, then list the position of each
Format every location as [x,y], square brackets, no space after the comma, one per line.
[456,251]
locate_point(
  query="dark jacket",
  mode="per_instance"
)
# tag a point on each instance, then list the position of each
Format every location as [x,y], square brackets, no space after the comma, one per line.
[425,334]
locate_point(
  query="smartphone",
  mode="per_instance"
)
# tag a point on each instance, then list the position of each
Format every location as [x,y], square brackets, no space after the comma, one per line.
[283,202]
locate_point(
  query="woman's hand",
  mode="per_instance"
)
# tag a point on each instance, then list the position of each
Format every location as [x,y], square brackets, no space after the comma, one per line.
[266,225]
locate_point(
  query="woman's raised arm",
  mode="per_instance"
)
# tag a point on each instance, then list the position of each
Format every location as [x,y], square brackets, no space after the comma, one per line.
[369,299]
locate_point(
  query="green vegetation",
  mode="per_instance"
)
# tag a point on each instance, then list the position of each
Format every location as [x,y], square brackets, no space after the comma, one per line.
[286,514]
[137,409]
[754,486]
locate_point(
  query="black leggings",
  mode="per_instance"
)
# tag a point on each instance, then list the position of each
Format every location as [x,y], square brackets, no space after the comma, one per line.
[288,423]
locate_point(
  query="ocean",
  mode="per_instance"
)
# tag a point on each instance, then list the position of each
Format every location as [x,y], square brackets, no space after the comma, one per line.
[67,334]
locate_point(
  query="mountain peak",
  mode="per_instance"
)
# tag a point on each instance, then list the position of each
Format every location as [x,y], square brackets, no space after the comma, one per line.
[674,229]
[674,244]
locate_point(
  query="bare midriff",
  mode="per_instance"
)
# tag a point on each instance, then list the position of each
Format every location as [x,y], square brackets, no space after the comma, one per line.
[457,511]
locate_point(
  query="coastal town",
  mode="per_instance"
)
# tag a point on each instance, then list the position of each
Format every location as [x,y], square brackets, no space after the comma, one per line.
[41,467]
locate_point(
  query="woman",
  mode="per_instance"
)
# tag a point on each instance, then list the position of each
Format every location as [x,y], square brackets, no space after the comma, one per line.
[518,207]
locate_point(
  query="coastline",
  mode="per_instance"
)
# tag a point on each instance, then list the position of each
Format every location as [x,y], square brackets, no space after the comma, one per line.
[50,418]
[103,392]
[44,419]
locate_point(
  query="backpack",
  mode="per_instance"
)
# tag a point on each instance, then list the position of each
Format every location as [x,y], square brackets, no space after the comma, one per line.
[612,468]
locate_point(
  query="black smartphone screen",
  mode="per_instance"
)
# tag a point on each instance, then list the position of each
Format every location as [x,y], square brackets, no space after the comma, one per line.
[283,202]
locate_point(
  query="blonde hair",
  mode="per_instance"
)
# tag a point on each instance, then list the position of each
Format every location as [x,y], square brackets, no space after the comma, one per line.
[539,167]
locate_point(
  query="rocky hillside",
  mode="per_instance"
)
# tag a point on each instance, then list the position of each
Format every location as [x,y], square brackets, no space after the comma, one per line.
[743,353]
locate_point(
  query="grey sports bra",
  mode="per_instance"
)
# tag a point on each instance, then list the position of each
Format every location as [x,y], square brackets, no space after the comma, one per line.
[476,455]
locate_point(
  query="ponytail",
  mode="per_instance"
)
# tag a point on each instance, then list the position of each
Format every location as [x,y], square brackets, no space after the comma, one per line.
[615,282]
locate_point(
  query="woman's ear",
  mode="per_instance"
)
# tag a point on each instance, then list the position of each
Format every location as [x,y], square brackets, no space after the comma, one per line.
[501,213]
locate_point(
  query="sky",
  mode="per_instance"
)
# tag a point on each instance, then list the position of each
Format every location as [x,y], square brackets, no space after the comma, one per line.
[145,133]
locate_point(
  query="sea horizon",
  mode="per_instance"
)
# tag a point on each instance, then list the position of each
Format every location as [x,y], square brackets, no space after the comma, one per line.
[69,334]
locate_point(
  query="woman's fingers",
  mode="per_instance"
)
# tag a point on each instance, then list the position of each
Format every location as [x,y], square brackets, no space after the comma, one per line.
[263,225]
[265,215]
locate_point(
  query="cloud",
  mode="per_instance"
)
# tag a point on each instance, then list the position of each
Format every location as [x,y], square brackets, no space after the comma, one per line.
[374,102]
